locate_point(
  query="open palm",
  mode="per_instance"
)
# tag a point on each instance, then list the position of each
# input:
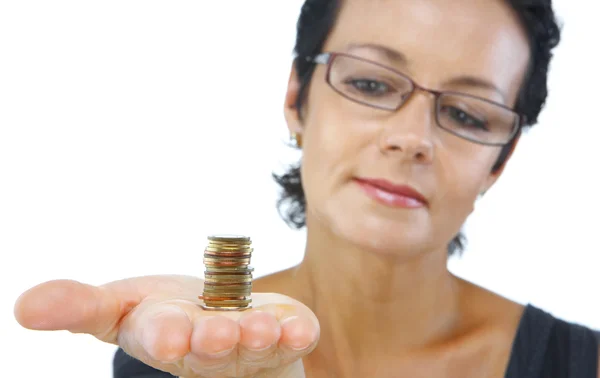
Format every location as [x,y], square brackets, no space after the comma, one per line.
[157,320]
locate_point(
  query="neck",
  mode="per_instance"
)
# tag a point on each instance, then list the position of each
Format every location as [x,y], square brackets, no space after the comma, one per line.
[372,303]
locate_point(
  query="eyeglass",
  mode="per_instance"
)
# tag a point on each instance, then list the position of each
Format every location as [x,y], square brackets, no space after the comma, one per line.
[369,83]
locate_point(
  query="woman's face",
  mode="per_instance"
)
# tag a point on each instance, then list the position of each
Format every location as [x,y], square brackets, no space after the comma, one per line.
[345,142]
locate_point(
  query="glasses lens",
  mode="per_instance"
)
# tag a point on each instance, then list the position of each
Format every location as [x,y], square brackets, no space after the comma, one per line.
[368,83]
[476,119]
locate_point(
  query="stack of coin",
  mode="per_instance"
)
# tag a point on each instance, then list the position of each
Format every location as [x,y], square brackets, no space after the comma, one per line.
[227,275]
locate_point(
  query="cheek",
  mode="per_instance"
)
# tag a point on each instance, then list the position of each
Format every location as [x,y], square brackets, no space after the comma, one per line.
[460,175]
[334,145]
[464,172]
[333,141]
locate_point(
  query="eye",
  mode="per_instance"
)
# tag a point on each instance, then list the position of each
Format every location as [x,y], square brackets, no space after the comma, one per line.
[464,119]
[370,87]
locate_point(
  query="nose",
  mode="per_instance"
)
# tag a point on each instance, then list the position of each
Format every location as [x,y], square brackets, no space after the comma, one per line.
[408,131]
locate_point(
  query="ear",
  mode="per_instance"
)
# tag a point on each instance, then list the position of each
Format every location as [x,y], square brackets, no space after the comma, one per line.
[495,175]
[291,112]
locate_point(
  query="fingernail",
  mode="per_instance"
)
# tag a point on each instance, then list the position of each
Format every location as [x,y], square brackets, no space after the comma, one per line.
[287,320]
[220,354]
[260,349]
[294,349]
[299,333]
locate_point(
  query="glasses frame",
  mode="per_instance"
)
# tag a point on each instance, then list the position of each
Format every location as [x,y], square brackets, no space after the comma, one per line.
[327,59]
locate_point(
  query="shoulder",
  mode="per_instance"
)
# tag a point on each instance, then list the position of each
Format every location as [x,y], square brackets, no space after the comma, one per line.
[543,345]
[571,347]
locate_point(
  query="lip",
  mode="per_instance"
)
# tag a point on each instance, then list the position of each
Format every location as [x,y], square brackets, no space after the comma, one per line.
[391,194]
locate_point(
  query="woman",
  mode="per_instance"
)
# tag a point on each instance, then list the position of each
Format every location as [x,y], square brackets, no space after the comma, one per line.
[406,112]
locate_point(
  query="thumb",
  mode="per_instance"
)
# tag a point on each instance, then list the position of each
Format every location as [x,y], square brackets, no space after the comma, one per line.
[96,310]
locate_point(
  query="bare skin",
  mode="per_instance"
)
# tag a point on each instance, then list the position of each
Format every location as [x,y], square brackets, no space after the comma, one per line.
[375,276]
[157,320]
[478,344]
[373,296]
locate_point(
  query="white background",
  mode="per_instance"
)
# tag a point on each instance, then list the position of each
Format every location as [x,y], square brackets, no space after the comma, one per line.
[130,130]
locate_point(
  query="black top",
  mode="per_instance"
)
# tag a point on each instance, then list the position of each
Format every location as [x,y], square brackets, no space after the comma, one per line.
[544,347]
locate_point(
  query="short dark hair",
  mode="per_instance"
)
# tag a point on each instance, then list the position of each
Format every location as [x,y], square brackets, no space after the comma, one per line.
[316,20]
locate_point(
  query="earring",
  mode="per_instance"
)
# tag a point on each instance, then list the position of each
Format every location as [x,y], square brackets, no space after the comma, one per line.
[296,139]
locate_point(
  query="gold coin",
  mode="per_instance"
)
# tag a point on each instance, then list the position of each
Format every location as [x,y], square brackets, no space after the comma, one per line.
[220,293]
[217,304]
[234,284]
[223,293]
[223,262]
[209,284]
[219,281]
[224,286]
[211,308]
[227,275]
[228,248]
[227,293]
[229,245]
[238,259]
[218,255]
[238,296]
[235,296]
[235,287]
[233,255]
[227,251]
[210,263]
[229,269]
[228,237]
[232,302]
[228,303]
[228,289]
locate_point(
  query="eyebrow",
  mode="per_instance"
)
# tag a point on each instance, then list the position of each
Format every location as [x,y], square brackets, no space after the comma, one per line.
[393,55]
[472,81]
[399,58]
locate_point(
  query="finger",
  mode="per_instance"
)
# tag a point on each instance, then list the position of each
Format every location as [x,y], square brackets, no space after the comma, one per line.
[82,308]
[299,337]
[278,331]
[259,335]
[66,305]
[179,337]
[214,336]
[238,343]
[299,326]
[223,346]
[162,333]
[214,346]
[155,319]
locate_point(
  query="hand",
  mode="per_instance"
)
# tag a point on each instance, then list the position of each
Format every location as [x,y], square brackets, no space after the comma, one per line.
[157,320]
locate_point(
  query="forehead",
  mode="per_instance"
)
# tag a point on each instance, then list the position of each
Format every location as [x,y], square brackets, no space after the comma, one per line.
[441,39]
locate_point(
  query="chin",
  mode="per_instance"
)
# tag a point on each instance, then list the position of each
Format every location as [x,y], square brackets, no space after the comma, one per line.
[396,242]
[353,219]
[382,235]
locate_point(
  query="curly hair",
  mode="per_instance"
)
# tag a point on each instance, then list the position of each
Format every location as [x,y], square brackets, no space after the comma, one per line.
[316,20]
